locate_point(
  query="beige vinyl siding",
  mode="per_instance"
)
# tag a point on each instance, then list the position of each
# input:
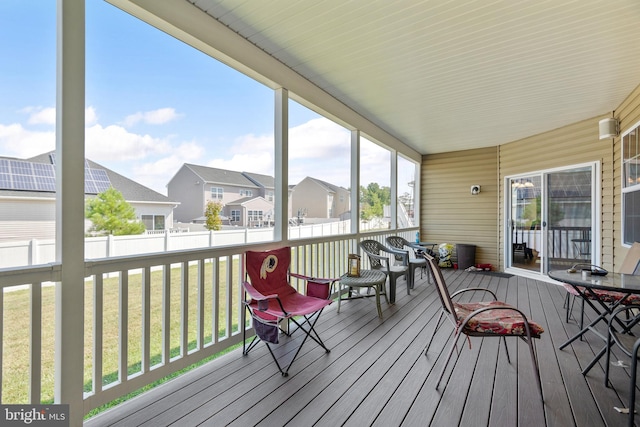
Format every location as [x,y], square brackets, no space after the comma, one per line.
[26,219]
[574,144]
[449,212]
[628,113]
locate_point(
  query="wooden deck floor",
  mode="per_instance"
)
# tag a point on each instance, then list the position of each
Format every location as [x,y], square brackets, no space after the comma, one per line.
[376,373]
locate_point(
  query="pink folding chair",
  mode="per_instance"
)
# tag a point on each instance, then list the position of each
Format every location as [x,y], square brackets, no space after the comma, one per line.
[270,299]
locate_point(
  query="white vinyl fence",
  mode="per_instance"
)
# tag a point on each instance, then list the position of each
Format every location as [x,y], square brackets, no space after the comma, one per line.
[38,252]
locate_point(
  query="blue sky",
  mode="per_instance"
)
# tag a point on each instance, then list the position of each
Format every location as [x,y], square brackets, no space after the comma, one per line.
[154,103]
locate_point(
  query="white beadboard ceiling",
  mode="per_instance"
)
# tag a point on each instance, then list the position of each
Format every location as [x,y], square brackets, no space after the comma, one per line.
[453,75]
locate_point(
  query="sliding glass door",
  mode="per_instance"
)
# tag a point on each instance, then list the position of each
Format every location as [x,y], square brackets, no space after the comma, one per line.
[526,222]
[551,219]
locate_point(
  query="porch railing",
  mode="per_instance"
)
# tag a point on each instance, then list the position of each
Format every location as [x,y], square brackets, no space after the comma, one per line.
[146,317]
[565,243]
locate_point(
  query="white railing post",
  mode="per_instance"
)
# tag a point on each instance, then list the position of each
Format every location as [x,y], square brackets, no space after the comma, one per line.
[33,252]
[111,245]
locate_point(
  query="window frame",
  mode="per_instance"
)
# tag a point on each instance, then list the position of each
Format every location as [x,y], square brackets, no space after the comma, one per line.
[218,194]
[630,187]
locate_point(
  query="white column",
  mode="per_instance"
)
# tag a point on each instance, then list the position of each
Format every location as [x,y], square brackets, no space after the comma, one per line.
[281,166]
[355,181]
[394,190]
[69,342]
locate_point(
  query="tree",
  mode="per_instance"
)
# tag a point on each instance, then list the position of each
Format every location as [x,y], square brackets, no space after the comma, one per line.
[373,199]
[212,214]
[110,213]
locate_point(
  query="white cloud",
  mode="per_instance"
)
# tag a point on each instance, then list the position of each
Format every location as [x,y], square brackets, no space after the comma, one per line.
[16,141]
[116,143]
[154,117]
[256,162]
[318,138]
[47,115]
[156,174]
[248,153]
[90,116]
[319,148]
[42,116]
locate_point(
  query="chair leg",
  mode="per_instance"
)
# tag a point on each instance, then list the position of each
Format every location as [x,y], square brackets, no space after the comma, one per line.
[506,349]
[536,368]
[392,289]
[309,333]
[454,343]
[434,332]
[632,382]
[247,348]
[607,362]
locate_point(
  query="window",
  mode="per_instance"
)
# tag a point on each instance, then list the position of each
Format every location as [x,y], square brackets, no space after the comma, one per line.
[406,193]
[255,218]
[270,196]
[153,222]
[28,88]
[235,215]
[217,193]
[319,169]
[375,186]
[246,193]
[631,185]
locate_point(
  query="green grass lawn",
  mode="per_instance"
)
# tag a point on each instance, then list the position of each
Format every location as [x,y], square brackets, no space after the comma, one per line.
[15,380]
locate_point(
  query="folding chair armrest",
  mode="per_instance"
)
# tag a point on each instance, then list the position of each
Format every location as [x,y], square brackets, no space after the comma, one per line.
[461,291]
[255,295]
[315,279]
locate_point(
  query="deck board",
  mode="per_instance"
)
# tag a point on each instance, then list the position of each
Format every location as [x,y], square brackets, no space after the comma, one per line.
[377,373]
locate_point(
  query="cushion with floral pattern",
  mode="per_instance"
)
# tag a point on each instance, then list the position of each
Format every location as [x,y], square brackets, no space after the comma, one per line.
[501,320]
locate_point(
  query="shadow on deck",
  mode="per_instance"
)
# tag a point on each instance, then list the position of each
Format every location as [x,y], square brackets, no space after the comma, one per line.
[376,373]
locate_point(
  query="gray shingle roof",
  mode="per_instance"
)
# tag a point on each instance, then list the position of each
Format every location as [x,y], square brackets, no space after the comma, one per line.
[327,185]
[265,181]
[221,176]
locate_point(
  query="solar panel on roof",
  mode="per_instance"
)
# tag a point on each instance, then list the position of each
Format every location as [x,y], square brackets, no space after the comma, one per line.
[44,183]
[24,175]
[5,180]
[19,167]
[4,166]
[23,182]
[90,187]
[42,169]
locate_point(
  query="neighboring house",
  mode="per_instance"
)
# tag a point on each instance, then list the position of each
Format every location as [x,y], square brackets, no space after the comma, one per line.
[247,198]
[313,198]
[28,192]
[251,212]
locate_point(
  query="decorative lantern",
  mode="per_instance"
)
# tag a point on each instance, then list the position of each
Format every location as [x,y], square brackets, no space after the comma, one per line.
[354,265]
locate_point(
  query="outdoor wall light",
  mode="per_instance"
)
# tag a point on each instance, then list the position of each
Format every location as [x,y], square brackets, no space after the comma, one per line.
[609,128]
[475,189]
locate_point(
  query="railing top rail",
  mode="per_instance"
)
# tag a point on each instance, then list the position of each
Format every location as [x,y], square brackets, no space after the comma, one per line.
[15,276]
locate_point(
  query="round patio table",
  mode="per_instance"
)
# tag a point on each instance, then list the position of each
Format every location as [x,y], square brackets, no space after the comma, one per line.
[368,279]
